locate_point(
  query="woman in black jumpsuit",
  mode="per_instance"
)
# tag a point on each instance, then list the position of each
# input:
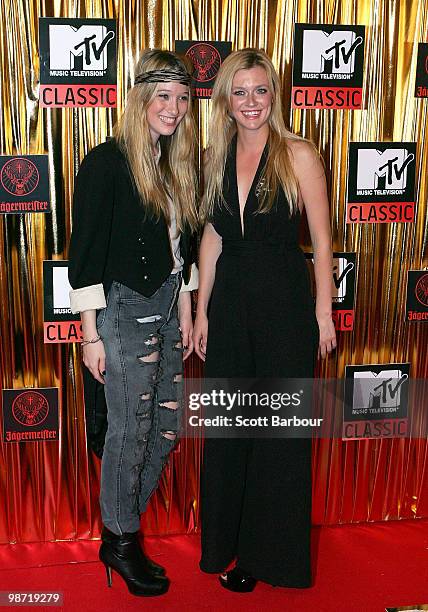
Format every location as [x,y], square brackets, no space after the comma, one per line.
[256,493]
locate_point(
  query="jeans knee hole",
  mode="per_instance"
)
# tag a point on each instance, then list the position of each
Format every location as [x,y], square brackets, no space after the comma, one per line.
[173,405]
[151,358]
[150,319]
[151,340]
[169,435]
[178,346]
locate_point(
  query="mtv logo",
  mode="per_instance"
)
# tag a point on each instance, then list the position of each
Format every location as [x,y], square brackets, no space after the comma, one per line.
[81,48]
[380,170]
[378,390]
[341,268]
[61,287]
[329,53]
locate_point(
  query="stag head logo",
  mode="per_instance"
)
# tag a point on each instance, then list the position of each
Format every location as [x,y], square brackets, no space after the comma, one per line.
[206,61]
[30,408]
[421,290]
[19,176]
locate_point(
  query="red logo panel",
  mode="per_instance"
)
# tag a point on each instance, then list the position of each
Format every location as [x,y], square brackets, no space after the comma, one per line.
[19,176]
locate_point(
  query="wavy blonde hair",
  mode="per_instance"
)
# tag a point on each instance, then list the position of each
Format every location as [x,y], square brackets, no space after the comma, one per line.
[222,127]
[175,175]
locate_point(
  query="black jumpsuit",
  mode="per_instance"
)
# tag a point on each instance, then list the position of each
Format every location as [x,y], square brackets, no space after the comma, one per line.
[256,493]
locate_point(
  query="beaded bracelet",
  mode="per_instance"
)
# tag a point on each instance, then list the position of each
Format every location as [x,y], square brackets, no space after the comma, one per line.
[85,342]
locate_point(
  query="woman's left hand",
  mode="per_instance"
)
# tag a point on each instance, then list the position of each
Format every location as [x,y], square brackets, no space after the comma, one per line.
[186,323]
[327,335]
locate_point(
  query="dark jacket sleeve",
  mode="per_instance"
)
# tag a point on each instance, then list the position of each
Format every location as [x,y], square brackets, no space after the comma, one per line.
[93,203]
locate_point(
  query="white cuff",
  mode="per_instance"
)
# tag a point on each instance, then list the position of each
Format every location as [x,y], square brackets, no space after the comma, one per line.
[87,298]
[193,280]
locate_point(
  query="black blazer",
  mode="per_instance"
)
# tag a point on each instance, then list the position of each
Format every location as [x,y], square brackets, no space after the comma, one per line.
[113,238]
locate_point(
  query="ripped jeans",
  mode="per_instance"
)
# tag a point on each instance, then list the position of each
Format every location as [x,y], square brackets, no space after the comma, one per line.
[143,388]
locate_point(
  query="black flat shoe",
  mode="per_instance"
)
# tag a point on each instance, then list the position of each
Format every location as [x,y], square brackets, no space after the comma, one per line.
[238,581]
[123,554]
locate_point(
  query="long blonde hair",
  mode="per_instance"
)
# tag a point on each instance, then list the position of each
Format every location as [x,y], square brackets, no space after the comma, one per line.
[176,174]
[222,127]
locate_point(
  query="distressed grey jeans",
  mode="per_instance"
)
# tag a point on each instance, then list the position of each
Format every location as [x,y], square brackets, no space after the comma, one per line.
[143,388]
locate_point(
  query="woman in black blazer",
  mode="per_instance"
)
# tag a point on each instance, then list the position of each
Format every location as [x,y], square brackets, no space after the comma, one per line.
[130,250]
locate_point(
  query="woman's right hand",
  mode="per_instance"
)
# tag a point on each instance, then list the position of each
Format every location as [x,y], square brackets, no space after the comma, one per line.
[94,358]
[200,335]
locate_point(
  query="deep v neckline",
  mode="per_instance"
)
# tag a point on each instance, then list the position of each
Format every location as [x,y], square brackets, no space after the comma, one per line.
[252,186]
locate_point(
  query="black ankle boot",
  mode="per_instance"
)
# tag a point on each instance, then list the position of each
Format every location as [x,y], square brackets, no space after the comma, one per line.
[153,568]
[123,554]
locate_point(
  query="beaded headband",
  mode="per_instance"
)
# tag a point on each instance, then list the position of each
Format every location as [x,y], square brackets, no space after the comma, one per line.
[163,76]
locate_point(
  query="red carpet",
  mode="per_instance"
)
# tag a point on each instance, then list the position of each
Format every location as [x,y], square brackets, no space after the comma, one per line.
[357,569]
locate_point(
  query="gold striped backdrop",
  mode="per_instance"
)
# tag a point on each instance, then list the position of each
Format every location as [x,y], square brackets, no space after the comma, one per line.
[50,490]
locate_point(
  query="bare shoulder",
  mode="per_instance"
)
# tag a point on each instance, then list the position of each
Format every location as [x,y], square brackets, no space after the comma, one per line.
[302,152]
[305,159]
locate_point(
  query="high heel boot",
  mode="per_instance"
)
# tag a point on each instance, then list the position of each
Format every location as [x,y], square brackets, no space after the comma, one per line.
[153,568]
[123,554]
